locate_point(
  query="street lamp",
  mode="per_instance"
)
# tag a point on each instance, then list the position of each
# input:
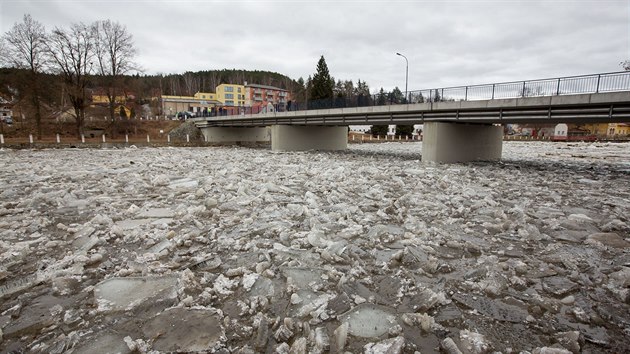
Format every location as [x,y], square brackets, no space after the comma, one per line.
[406,75]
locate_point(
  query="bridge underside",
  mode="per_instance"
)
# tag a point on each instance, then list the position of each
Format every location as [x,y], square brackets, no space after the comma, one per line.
[443,142]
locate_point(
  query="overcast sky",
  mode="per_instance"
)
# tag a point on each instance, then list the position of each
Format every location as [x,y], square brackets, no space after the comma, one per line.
[447,43]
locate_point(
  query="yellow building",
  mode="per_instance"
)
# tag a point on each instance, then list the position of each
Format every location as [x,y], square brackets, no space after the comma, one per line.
[102,99]
[617,129]
[599,129]
[231,94]
[199,104]
[209,96]
[117,111]
[608,129]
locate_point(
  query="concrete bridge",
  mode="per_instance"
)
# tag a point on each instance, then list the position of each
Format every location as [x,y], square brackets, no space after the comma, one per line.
[454,131]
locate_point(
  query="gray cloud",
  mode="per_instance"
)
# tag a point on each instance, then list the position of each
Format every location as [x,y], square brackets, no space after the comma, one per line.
[447,42]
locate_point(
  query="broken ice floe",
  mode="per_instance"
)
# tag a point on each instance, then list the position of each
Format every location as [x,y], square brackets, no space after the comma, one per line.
[369,320]
[120,294]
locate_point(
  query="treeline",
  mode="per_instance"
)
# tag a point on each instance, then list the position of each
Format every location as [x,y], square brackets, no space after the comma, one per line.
[189,83]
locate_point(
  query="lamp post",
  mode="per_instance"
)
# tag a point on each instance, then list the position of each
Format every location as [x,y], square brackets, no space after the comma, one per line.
[406,76]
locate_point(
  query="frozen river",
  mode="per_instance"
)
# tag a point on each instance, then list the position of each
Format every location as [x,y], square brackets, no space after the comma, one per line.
[237,250]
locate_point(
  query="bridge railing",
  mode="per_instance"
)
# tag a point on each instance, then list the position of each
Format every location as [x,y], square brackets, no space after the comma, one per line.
[595,83]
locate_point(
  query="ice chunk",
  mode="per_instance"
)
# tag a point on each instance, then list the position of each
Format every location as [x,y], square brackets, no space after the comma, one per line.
[558,286]
[387,346]
[223,285]
[130,224]
[185,330]
[475,343]
[262,287]
[19,284]
[340,336]
[34,317]
[609,239]
[157,213]
[369,320]
[249,280]
[322,341]
[184,183]
[450,347]
[579,218]
[303,278]
[492,308]
[107,343]
[119,294]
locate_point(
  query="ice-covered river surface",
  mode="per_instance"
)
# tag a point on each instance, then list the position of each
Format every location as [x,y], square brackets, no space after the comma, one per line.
[239,250]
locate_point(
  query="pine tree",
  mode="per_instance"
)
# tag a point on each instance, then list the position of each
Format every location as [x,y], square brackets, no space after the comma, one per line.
[322,82]
[381,99]
[404,130]
[436,96]
[377,130]
[396,96]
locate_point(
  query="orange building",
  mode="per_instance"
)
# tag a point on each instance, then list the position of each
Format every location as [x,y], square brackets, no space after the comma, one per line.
[259,96]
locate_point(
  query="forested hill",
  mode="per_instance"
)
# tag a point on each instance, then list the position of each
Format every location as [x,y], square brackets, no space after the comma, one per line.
[15,81]
[207,80]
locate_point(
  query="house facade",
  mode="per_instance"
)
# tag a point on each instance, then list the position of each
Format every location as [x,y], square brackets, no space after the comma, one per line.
[6,113]
[608,129]
[259,96]
[231,95]
[198,104]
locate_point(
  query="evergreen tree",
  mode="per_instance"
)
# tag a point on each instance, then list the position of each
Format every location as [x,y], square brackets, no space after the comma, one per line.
[396,96]
[420,98]
[322,82]
[363,93]
[436,96]
[404,130]
[123,113]
[381,98]
[379,130]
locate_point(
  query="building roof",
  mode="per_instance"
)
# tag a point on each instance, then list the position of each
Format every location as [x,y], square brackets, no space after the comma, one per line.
[266,87]
[185,99]
[5,102]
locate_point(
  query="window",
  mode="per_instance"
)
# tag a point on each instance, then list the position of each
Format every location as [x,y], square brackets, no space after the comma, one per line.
[229,89]
[229,95]
[239,89]
[229,103]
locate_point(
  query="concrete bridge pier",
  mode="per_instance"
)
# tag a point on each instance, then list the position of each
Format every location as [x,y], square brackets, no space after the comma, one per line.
[236,134]
[311,137]
[461,142]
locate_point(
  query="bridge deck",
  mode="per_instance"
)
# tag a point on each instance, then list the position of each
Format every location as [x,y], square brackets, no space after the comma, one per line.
[613,107]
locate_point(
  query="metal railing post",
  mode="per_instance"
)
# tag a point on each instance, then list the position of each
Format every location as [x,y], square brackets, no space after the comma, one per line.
[523,92]
[599,77]
[492,91]
[558,89]
[466,95]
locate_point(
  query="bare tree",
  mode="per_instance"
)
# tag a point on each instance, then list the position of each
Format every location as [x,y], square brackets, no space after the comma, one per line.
[191,83]
[625,65]
[25,49]
[115,53]
[72,52]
